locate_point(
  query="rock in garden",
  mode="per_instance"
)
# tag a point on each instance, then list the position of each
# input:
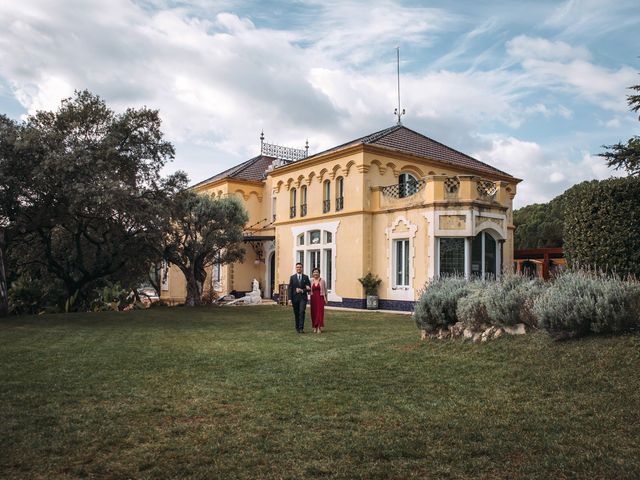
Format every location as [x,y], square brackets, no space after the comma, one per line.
[517,329]
[498,333]
[467,333]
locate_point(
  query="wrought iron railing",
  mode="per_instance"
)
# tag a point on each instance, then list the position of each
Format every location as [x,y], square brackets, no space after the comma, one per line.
[292,212]
[339,203]
[487,189]
[303,210]
[326,206]
[451,187]
[403,190]
[283,153]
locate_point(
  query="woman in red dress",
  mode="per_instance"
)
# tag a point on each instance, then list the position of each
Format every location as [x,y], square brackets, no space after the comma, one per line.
[318,300]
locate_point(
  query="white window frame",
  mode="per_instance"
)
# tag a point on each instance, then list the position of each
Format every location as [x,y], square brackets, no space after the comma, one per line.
[401,263]
[400,292]
[324,247]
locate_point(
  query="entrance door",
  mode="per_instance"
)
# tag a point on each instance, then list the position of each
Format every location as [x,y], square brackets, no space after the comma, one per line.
[272,273]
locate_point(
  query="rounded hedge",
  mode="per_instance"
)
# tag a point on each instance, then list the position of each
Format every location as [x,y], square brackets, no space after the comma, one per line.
[602,225]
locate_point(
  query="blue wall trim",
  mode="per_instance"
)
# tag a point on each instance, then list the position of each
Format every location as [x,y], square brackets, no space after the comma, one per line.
[361,303]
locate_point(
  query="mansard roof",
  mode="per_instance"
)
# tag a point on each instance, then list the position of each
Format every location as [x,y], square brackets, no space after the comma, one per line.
[253,170]
[402,139]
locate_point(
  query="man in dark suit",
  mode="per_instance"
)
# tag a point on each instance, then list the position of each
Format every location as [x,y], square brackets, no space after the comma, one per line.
[299,285]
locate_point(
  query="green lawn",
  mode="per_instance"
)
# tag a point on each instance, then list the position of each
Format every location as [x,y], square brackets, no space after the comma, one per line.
[235,393]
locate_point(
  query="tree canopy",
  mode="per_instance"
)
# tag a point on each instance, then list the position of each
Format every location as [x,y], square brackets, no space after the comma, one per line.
[203,231]
[540,225]
[85,198]
[626,155]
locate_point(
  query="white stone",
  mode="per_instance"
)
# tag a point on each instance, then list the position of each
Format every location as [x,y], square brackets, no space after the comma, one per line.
[498,333]
[518,329]
[467,333]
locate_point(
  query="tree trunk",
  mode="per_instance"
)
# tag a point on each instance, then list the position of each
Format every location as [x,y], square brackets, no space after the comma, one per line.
[4,294]
[194,290]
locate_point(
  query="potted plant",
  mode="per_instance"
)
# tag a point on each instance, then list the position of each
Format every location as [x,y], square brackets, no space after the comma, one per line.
[371,283]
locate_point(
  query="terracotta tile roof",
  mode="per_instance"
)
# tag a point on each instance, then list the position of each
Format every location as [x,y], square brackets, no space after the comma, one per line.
[405,140]
[253,169]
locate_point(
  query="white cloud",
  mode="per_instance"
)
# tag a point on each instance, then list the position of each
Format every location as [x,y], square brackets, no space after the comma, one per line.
[219,77]
[561,67]
[546,174]
[594,18]
[548,112]
[524,47]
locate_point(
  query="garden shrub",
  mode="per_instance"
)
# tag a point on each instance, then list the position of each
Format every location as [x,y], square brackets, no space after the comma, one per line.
[436,307]
[578,303]
[111,297]
[510,300]
[472,308]
[31,295]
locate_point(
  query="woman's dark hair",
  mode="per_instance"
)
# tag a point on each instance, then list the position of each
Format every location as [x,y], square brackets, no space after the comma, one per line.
[315,270]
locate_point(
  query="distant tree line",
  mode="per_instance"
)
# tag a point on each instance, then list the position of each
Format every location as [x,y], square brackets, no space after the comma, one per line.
[597,222]
[83,204]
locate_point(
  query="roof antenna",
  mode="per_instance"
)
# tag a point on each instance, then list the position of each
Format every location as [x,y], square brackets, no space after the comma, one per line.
[398,112]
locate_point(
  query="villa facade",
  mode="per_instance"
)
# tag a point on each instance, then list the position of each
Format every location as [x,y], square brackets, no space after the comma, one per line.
[394,203]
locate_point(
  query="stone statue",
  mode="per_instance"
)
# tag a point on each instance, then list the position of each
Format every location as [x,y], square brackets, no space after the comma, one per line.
[254,297]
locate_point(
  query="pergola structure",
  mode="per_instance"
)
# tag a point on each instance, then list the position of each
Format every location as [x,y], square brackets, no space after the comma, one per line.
[544,260]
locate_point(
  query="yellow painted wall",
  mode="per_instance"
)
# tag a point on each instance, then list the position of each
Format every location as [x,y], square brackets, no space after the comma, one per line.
[367,222]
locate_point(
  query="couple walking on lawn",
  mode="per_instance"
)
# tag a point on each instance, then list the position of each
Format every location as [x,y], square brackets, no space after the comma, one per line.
[299,287]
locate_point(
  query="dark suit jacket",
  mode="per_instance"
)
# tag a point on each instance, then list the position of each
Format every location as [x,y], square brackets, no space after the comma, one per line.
[293,284]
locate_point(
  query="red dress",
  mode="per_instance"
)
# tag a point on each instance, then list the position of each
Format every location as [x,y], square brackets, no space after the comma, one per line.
[317,306]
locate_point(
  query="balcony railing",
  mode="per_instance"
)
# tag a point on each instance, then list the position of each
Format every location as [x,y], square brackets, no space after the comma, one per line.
[442,188]
[303,210]
[403,190]
[339,203]
[326,206]
[292,212]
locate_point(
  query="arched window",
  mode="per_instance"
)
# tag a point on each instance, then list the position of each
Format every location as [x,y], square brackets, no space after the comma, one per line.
[326,196]
[292,203]
[303,200]
[407,185]
[339,194]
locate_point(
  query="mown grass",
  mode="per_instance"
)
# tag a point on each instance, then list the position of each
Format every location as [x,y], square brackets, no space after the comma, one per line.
[235,393]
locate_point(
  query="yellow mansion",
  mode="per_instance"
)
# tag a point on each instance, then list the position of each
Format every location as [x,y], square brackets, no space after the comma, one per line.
[395,203]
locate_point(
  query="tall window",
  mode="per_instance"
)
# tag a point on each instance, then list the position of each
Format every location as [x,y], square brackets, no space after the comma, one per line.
[217,272]
[292,202]
[273,209]
[484,256]
[303,200]
[339,194]
[407,185]
[314,249]
[451,256]
[326,196]
[314,259]
[401,262]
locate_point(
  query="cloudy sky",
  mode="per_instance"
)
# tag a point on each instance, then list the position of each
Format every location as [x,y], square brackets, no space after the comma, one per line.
[531,87]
